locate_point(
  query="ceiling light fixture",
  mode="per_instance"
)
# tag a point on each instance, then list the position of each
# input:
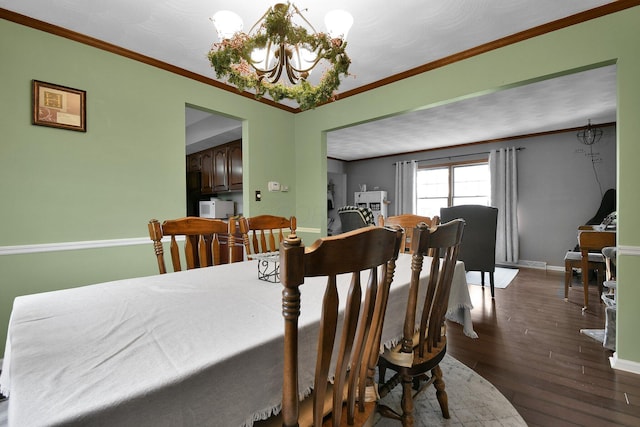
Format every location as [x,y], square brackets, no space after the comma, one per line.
[277,55]
[589,135]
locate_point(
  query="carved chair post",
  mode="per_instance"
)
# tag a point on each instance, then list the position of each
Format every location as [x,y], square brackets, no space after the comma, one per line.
[155,231]
[291,252]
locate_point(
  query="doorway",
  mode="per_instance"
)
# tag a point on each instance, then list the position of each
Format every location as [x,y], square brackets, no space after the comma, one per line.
[205,130]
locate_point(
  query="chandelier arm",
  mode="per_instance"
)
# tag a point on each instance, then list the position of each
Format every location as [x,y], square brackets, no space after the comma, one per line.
[268,73]
[292,75]
[303,18]
[259,21]
[308,70]
[277,70]
[266,70]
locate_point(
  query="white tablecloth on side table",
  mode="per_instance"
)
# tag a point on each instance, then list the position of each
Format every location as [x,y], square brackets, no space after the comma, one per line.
[195,348]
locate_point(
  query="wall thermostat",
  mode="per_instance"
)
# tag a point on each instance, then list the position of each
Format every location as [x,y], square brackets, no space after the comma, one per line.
[273,186]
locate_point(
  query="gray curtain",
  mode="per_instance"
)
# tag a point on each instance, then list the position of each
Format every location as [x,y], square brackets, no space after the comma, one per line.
[504,196]
[406,174]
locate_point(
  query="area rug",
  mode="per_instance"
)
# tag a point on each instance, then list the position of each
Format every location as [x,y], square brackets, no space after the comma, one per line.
[473,401]
[596,334]
[502,277]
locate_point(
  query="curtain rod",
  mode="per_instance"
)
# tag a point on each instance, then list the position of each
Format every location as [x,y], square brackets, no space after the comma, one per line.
[458,155]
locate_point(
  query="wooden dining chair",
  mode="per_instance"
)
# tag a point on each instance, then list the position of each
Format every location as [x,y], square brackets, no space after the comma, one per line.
[350,329]
[415,360]
[206,242]
[408,222]
[261,234]
[589,258]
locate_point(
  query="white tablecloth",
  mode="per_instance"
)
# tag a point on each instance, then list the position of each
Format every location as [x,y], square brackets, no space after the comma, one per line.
[197,348]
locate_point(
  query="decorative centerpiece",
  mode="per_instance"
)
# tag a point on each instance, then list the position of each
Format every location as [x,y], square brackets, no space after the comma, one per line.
[268,266]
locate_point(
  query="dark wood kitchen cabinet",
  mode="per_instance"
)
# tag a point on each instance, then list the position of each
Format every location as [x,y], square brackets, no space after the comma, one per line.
[200,171]
[234,155]
[220,180]
[194,162]
[219,168]
[207,172]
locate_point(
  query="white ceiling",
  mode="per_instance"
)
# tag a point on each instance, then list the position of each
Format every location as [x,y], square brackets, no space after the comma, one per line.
[179,33]
[559,103]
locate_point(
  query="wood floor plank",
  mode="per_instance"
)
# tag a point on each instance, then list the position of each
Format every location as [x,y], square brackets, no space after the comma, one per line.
[530,347]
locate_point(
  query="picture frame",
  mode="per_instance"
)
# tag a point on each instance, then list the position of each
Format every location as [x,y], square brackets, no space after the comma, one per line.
[58,106]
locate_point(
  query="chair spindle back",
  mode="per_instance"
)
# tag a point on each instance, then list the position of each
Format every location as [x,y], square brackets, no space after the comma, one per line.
[373,250]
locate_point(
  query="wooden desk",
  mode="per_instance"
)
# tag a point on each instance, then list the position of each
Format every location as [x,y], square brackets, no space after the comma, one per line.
[164,350]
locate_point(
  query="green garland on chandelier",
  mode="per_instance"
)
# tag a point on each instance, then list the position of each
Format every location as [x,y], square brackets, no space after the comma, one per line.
[230,57]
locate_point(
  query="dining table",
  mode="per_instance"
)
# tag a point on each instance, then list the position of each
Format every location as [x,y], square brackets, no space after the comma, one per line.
[201,347]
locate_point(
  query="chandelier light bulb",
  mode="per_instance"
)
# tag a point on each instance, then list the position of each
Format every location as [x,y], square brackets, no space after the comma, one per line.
[338,23]
[258,55]
[227,23]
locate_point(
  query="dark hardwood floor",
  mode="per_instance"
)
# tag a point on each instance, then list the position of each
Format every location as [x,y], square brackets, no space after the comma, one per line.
[531,349]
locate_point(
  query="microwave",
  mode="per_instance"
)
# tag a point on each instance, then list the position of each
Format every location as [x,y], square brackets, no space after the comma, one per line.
[222,209]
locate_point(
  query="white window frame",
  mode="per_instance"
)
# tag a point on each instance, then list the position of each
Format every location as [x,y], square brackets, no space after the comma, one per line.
[451,167]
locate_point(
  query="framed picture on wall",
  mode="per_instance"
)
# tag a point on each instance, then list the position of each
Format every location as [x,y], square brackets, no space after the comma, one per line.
[59,106]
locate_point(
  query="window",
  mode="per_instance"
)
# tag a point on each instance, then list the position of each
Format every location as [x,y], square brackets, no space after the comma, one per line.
[452,185]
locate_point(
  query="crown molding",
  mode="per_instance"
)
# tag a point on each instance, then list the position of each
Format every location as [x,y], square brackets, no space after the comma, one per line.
[578,18]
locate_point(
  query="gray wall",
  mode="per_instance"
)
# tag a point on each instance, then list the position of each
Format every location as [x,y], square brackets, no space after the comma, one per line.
[557,187]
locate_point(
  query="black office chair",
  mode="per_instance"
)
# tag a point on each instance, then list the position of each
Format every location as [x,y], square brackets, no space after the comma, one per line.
[478,247]
[354,217]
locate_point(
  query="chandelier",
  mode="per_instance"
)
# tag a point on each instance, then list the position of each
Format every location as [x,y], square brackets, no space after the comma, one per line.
[589,135]
[277,55]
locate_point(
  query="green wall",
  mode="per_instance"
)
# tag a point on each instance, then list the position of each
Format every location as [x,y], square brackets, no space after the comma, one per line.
[609,39]
[61,186]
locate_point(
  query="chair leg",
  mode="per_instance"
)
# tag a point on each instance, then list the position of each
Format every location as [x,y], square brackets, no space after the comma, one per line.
[600,280]
[407,401]
[492,283]
[382,372]
[383,390]
[585,285]
[438,383]
[568,272]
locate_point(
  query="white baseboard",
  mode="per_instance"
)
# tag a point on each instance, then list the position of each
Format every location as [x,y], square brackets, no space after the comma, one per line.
[624,365]
[540,265]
